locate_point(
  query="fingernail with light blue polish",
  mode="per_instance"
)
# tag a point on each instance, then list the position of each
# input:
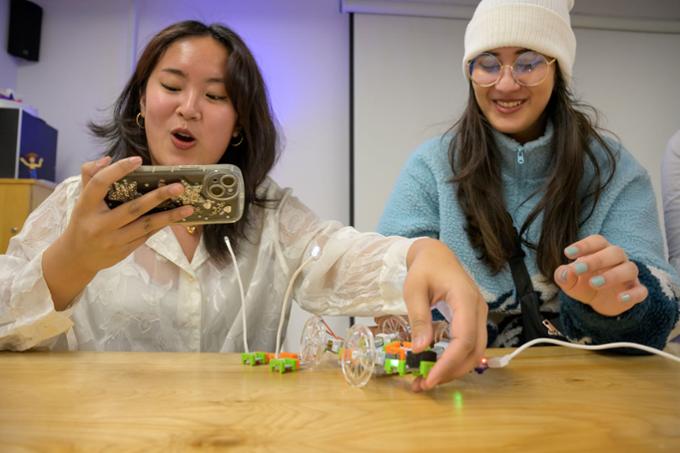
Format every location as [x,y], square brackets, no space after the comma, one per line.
[625,297]
[580,268]
[597,281]
[564,275]
[571,251]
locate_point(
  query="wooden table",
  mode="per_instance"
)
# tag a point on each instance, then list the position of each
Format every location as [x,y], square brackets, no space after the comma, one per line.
[547,399]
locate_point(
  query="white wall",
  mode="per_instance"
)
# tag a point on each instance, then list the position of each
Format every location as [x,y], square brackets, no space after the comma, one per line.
[302,47]
[632,79]
[8,65]
[413,91]
[84,50]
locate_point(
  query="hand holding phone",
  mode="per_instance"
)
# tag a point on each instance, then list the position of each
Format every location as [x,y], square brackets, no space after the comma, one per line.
[97,237]
[214,191]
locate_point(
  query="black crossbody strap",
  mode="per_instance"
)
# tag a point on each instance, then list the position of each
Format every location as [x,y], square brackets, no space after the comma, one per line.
[532,321]
[520,274]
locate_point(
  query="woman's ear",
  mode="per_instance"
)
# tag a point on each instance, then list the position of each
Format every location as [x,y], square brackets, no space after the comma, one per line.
[142,105]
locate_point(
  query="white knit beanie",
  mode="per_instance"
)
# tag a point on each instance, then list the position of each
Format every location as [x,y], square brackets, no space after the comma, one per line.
[540,25]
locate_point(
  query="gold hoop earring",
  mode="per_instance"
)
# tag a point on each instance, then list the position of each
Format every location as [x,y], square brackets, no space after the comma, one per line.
[138,119]
[240,140]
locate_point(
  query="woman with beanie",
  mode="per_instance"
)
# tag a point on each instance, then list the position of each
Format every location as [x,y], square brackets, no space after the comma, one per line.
[555,222]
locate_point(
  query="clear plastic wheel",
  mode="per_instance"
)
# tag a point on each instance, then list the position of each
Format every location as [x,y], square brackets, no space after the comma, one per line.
[357,356]
[313,341]
[398,325]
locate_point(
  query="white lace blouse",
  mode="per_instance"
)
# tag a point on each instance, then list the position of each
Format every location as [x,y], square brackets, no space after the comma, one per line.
[156,300]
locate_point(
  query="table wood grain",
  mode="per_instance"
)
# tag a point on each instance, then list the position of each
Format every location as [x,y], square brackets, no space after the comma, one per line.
[547,399]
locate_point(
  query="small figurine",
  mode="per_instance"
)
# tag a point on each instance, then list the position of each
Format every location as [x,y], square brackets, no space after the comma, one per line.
[33,162]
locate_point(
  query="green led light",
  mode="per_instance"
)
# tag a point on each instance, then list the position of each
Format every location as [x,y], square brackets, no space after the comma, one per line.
[458,400]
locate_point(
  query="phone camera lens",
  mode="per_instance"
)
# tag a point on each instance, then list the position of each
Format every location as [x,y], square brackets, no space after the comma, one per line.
[216,191]
[221,186]
[228,181]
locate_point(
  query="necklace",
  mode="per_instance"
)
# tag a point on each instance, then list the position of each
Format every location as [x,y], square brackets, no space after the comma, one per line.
[191,229]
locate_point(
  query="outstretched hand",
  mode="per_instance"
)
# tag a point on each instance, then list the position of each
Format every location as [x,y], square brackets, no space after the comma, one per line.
[435,274]
[601,276]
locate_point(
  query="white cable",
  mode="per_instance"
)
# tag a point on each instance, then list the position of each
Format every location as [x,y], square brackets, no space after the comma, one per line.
[243,298]
[314,255]
[500,362]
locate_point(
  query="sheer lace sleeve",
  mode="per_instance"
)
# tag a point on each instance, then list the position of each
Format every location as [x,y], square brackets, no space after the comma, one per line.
[359,274]
[27,314]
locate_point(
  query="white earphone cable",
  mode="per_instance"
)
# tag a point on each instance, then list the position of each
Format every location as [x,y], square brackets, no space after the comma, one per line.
[314,255]
[500,362]
[243,298]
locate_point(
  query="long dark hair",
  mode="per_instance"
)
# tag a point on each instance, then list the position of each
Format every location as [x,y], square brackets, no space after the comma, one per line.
[565,206]
[255,156]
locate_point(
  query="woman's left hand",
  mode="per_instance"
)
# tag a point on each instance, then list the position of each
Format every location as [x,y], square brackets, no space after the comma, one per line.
[601,276]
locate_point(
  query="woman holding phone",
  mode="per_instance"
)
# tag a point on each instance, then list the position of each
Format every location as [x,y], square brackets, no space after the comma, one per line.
[82,276]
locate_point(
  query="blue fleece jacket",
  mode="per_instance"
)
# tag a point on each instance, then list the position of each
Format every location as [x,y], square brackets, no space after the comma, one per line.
[424,203]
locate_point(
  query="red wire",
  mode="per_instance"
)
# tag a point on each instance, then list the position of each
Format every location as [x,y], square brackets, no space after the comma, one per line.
[329,330]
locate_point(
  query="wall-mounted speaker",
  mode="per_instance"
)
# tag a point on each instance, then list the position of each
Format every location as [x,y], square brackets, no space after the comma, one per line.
[25,20]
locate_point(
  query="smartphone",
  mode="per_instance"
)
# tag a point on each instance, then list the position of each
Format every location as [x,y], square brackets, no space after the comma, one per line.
[215,191]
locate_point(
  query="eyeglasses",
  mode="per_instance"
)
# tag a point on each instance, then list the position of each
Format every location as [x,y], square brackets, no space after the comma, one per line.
[529,69]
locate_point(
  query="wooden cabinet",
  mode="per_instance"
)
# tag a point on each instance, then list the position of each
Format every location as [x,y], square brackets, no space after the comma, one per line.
[18,197]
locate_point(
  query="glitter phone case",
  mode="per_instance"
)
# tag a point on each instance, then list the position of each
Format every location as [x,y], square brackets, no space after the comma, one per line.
[215,191]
